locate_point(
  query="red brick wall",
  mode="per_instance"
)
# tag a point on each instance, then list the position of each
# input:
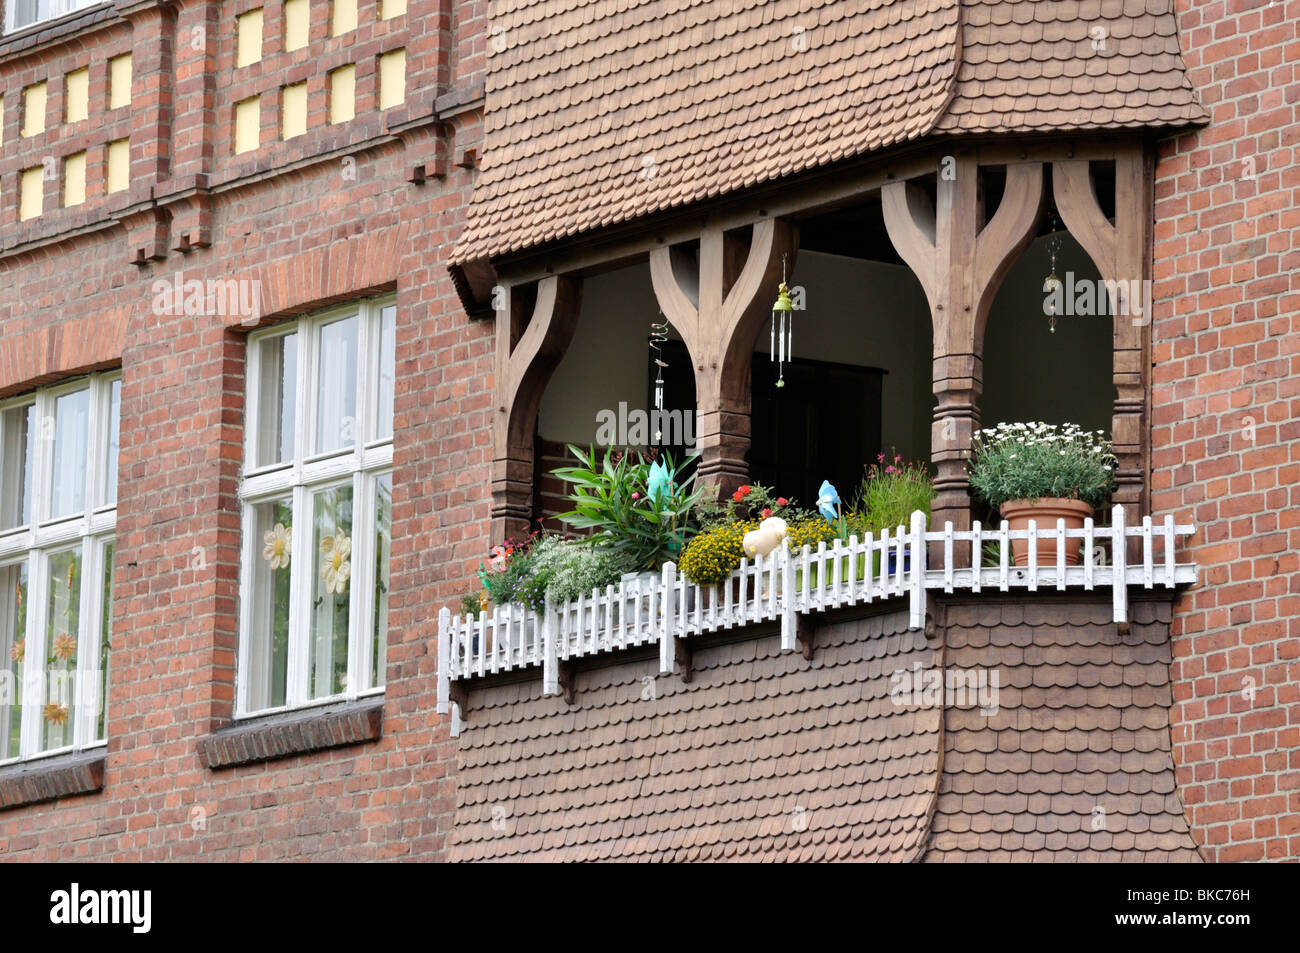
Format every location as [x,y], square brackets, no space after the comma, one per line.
[1226,424]
[313,228]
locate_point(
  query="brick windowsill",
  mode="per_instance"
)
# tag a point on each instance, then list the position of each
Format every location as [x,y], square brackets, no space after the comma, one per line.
[293,733]
[49,779]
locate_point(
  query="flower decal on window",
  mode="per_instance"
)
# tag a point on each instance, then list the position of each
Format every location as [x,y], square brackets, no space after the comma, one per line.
[336,566]
[65,646]
[55,714]
[277,549]
[18,651]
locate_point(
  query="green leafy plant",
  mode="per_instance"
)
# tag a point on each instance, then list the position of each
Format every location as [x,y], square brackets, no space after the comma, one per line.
[1030,461]
[748,502]
[638,508]
[572,569]
[714,554]
[891,491]
[506,569]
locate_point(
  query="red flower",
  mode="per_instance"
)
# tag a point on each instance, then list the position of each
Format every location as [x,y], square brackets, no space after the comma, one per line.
[781,501]
[766,513]
[741,492]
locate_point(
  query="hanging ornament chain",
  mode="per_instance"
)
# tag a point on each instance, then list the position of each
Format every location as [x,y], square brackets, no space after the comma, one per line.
[659,335]
[1052,284]
[781,346]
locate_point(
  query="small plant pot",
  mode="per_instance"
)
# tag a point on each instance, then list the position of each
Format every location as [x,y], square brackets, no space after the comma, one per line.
[1045,513]
[893,563]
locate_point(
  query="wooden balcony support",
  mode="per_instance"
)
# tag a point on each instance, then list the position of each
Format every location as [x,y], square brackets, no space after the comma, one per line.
[719,311]
[531,338]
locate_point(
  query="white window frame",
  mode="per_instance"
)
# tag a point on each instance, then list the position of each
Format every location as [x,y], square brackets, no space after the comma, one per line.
[363,465]
[55,10]
[92,529]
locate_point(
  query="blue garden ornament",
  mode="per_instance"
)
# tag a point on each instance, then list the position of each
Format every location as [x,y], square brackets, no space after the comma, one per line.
[828,498]
[657,483]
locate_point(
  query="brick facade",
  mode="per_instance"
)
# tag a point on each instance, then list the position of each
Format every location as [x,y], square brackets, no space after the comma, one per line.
[325,217]
[372,206]
[1226,424]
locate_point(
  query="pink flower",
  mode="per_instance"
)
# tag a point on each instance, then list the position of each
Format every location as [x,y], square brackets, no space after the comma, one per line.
[781,501]
[889,469]
[766,513]
[880,457]
[898,459]
[636,496]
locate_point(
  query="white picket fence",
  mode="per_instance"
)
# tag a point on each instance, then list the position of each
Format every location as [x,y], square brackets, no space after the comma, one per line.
[665,607]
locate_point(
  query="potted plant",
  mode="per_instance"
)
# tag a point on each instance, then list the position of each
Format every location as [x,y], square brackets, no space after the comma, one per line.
[891,491]
[1043,472]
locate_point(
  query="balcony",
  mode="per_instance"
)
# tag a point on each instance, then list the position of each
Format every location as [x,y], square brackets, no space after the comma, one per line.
[792,588]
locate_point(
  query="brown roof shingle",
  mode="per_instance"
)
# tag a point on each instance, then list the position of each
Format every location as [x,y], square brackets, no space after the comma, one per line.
[1076,764]
[764,756]
[761,756]
[602,111]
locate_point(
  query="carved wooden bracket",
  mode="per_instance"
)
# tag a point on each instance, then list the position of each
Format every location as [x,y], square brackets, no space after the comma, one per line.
[566,673]
[805,633]
[719,319]
[683,655]
[529,345]
[960,263]
[1119,250]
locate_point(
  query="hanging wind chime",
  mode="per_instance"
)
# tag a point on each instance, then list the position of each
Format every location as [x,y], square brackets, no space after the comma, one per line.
[658,335]
[781,348]
[1052,284]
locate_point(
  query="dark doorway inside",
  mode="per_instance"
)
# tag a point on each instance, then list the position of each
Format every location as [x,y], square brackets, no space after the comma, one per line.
[822,425]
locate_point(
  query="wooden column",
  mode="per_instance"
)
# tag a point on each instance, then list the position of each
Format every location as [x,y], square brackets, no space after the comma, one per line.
[960,263]
[719,324]
[529,345]
[1120,252]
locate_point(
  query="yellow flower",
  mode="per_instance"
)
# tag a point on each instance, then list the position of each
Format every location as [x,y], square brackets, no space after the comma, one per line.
[65,646]
[18,651]
[55,713]
[277,546]
[335,567]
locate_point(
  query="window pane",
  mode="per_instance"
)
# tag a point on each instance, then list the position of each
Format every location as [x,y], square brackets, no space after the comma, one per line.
[114,425]
[331,591]
[13,655]
[279,384]
[68,487]
[105,638]
[336,388]
[62,623]
[268,632]
[387,370]
[17,426]
[383,547]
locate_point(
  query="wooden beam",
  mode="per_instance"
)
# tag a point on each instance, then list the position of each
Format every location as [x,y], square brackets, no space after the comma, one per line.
[960,262]
[528,349]
[719,327]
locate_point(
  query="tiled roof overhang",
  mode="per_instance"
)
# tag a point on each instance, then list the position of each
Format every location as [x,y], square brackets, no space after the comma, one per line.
[602,111]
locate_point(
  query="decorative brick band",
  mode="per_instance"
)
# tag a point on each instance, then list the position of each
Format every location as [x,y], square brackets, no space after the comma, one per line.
[51,779]
[282,736]
[73,346]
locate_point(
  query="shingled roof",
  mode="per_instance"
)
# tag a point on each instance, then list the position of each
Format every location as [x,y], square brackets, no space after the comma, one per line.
[601,111]
[766,756]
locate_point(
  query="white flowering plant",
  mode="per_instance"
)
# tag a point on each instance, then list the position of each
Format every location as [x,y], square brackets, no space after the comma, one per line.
[1030,461]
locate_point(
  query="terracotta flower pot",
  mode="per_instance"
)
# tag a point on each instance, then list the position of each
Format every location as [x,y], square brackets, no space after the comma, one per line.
[1045,513]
